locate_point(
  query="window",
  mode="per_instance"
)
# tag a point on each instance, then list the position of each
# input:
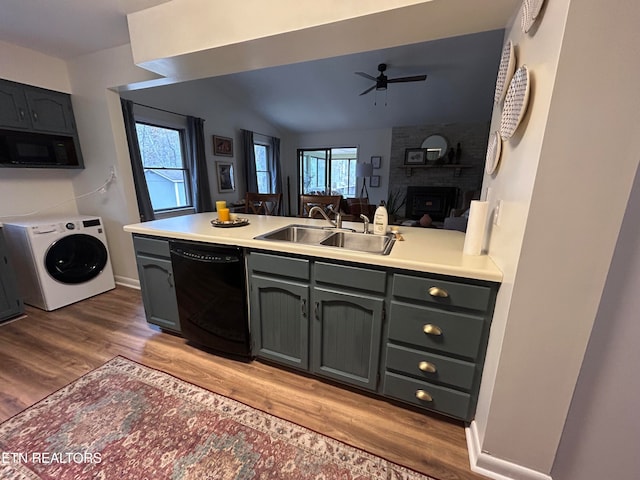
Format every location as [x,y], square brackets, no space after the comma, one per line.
[328,171]
[163,159]
[263,173]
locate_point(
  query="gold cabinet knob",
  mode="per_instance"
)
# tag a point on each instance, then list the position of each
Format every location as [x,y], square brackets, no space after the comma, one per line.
[424,396]
[430,329]
[438,292]
[427,367]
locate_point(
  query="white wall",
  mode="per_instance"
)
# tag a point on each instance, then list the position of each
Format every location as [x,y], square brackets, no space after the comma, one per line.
[27,191]
[513,182]
[369,143]
[23,65]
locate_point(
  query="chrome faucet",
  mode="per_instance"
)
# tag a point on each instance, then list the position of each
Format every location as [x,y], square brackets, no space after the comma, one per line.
[365,219]
[334,223]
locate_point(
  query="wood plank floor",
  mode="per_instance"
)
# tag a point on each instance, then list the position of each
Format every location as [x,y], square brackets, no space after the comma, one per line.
[44,351]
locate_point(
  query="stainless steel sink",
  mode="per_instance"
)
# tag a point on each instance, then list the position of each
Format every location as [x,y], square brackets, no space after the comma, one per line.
[330,237]
[380,244]
[298,234]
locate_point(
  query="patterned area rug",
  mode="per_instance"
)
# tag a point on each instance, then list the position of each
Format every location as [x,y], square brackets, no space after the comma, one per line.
[127,421]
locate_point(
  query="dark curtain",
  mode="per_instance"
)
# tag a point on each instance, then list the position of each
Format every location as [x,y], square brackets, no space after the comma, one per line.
[142,192]
[200,191]
[274,165]
[249,161]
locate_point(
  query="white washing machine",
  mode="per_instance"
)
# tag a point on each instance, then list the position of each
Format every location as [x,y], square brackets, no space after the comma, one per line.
[59,261]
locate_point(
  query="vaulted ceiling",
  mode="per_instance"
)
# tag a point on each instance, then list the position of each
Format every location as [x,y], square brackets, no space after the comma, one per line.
[324,95]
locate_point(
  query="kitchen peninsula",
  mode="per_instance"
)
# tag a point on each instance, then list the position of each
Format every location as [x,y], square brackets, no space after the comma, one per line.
[424,249]
[411,326]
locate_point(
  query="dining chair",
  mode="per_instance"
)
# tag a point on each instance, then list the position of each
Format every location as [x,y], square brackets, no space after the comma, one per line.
[262,203]
[307,202]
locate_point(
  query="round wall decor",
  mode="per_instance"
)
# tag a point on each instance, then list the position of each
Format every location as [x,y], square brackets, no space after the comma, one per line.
[515,103]
[505,72]
[493,153]
[530,11]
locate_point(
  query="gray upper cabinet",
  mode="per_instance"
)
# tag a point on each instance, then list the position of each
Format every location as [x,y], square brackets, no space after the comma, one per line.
[346,336]
[36,109]
[14,112]
[50,111]
[156,282]
[10,302]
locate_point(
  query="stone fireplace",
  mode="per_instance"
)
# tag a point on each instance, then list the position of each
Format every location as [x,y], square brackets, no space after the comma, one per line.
[473,138]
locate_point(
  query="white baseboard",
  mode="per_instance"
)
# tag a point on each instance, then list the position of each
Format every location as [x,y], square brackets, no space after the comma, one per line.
[494,467]
[128,282]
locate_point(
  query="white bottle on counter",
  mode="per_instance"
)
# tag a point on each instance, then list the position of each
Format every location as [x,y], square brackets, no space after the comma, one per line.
[380,220]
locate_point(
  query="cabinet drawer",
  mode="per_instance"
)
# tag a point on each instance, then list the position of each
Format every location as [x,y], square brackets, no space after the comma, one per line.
[443,399]
[435,368]
[461,333]
[153,246]
[279,265]
[457,294]
[352,277]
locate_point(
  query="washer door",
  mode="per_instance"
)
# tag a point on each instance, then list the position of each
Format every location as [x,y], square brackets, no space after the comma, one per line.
[76,258]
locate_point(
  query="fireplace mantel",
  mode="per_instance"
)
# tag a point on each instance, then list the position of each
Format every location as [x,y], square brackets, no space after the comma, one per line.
[457,169]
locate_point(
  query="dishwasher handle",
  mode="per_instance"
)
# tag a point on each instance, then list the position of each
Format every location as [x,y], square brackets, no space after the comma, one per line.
[204,256]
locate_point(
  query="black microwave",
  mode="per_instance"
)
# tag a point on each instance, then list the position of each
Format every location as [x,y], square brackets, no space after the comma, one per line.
[38,150]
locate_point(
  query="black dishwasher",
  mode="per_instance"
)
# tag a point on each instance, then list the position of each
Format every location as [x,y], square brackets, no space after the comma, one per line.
[212,296]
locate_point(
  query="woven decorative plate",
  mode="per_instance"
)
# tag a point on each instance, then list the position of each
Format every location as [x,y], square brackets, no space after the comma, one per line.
[530,11]
[505,72]
[238,222]
[493,153]
[515,103]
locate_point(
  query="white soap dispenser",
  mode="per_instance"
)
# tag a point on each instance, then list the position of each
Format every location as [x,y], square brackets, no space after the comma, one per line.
[380,220]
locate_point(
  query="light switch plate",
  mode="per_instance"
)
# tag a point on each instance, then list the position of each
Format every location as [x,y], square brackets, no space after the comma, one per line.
[497,214]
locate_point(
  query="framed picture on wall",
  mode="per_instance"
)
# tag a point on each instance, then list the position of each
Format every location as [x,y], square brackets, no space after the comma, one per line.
[375,181]
[414,156]
[376,161]
[222,146]
[226,182]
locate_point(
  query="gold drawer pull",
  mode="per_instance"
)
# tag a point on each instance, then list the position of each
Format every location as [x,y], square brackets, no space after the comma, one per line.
[438,292]
[424,396]
[427,367]
[430,329]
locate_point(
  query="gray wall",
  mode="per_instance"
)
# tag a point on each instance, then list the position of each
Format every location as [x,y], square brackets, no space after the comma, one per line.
[603,416]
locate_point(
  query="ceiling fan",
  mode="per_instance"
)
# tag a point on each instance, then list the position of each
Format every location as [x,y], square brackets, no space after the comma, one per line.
[382,81]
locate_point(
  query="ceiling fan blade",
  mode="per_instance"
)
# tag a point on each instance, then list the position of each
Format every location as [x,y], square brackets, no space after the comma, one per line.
[367,90]
[416,78]
[365,75]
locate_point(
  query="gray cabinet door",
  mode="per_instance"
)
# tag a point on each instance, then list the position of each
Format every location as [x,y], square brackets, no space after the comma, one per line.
[346,330]
[13,106]
[50,111]
[158,292]
[279,320]
[10,302]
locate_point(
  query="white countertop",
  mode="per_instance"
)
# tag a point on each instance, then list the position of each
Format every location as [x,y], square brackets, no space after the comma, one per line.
[423,249]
